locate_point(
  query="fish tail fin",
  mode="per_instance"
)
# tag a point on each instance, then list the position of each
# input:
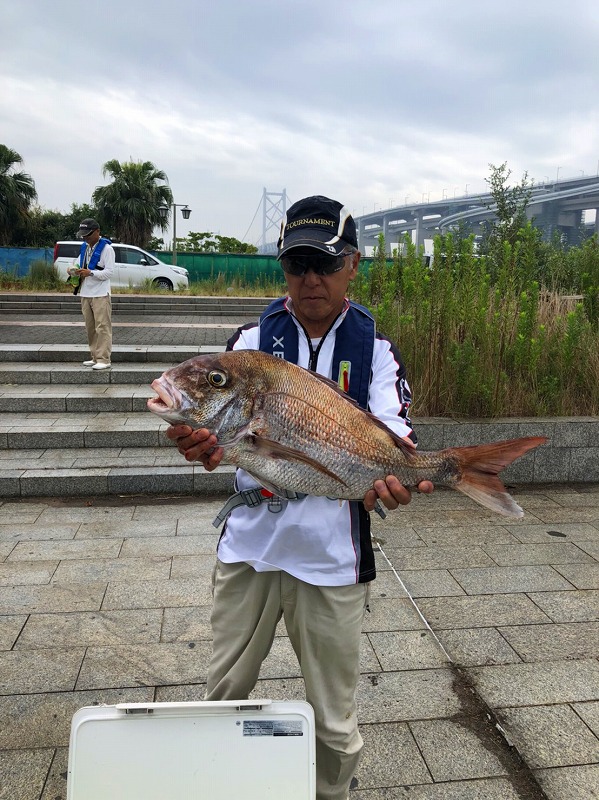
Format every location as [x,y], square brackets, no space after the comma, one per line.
[479,467]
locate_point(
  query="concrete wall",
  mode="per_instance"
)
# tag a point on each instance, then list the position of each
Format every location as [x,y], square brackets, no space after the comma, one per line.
[570,456]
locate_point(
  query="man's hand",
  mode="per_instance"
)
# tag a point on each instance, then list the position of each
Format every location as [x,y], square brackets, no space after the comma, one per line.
[83,273]
[196,445]
[392,493]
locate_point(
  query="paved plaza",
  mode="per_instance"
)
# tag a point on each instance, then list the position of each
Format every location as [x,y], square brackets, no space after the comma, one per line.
[480,659]
[480,633]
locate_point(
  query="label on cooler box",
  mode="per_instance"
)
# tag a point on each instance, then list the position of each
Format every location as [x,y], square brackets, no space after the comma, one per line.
[272,727]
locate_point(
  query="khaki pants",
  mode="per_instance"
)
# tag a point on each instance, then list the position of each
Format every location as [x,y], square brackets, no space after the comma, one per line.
[97,313]
[324,624]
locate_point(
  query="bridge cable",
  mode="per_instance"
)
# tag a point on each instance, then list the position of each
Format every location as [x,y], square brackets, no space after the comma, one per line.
[252,222]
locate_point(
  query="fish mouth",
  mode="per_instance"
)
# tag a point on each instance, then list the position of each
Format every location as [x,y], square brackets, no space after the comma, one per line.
[169,398]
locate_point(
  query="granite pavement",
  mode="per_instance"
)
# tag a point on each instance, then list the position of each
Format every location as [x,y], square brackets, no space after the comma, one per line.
[479,667]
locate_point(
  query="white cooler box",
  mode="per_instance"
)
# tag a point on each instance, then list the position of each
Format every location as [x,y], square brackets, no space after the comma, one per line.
[246,749]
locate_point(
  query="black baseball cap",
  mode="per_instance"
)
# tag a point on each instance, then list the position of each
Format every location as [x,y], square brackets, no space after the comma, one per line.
[86,226]
[317,222]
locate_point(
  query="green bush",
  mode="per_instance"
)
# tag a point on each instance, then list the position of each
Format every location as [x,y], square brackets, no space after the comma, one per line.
[481,336]
[42,276]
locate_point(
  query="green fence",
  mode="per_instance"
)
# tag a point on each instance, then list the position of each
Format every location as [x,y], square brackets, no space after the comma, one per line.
[201,266]
[207,266]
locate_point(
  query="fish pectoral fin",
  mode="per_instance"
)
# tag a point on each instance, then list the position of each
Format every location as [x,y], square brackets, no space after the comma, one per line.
[277,450]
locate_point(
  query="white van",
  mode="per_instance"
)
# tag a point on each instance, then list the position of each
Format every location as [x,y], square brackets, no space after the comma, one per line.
[133,266]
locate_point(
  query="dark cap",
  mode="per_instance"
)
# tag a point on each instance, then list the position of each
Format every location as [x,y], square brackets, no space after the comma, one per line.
[317,222]
[86,226]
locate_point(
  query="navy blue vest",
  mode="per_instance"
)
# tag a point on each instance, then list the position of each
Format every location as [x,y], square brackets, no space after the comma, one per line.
[93,262]
[352,355]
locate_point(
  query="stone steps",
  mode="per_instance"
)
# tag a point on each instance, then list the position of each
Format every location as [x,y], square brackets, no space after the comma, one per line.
[12,356]
[73,399]
[66,374]
[66,430]
[55,303]
[80,430]
[93,482]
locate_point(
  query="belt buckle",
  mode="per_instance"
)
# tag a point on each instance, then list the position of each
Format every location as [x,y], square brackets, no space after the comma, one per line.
[275,504]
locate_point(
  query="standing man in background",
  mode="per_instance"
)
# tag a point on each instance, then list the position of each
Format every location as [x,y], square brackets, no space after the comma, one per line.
[96,265]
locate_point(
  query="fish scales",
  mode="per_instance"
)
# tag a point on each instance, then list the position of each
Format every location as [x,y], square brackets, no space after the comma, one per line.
[292,429]
[343,439]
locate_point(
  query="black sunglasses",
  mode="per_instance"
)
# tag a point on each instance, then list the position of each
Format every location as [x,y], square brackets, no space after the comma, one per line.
[320,264]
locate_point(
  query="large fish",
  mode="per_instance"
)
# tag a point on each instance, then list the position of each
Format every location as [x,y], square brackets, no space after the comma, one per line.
[292,429]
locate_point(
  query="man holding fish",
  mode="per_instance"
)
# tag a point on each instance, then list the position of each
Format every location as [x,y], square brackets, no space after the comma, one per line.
[307,558]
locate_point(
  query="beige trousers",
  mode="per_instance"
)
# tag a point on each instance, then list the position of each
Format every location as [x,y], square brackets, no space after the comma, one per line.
[324,624]
[97,313]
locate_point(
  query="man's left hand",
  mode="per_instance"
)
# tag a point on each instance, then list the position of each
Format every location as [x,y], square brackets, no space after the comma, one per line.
[392,493]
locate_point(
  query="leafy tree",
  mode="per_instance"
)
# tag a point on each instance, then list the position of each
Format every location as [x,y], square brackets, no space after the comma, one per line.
[79,211]
[17,193]
[207,242]
[509,204]
[129,205]
[229,244]
[43,227]
[156,243]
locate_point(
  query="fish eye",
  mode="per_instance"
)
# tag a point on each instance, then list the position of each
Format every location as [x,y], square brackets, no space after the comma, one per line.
[217,379]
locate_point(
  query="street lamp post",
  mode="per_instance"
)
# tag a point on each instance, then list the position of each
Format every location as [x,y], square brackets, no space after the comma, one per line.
[185,211]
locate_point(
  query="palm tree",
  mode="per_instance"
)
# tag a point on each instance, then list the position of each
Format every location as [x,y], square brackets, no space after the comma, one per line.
[17,193]
[129,205]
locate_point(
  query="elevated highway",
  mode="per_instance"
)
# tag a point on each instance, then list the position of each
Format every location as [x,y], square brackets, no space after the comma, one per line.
[554,206]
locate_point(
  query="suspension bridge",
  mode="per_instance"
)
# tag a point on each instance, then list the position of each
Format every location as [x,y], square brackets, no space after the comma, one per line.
[556,206]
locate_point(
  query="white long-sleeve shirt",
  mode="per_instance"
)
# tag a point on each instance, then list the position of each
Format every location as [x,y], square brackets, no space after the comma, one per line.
[320,541]
[98,283]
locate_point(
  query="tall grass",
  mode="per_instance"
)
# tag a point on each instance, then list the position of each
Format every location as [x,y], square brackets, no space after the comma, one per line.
[485,338]
[42,276]
[219,285]
[511,333]
[267,285]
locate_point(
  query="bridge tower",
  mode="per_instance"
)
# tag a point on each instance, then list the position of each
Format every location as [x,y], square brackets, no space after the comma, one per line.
[274,207]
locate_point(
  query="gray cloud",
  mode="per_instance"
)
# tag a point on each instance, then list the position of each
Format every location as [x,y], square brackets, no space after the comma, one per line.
[370,102]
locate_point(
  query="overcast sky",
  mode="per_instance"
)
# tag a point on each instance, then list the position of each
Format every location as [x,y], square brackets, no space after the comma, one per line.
[367,101]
